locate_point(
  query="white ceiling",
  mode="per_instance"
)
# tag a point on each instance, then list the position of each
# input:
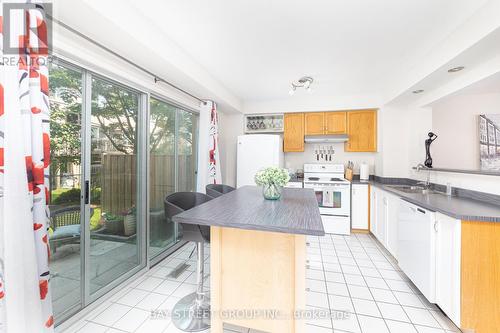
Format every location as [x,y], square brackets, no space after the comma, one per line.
[255,48]
[481,74]
[490,85]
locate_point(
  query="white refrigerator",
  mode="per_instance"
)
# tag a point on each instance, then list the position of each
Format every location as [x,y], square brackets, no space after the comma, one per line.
[255,152]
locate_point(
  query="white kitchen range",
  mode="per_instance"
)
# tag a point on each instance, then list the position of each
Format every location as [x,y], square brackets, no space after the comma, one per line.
[333,193]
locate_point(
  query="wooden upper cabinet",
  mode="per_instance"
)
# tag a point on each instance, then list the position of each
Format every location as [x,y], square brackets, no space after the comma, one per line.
[336,122]
[362,131]
[320,123]
[293,137]
[360,126]
[315,123]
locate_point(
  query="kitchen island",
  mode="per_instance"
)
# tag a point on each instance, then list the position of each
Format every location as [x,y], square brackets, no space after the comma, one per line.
[258,254]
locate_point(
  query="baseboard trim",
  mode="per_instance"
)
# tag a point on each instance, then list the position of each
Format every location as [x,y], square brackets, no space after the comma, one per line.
[360,231]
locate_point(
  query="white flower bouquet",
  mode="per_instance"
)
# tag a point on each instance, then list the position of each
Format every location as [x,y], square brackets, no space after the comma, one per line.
[272,180]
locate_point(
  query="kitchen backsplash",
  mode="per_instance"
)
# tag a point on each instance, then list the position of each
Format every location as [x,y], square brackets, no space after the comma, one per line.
[296,160]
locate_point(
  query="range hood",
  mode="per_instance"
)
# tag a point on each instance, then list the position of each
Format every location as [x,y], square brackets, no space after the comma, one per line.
[326,138]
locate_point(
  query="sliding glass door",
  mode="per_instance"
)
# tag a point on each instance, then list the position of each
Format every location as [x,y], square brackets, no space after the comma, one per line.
[162,232]
[114,183]
[172,146]
[186,148]
[102,133]
[66,178]
[97,231]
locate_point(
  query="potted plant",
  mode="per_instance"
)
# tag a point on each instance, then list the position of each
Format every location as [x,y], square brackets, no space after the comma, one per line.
[113,223]
[272,180]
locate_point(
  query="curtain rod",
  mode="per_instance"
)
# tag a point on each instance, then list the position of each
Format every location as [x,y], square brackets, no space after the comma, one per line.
[156,77]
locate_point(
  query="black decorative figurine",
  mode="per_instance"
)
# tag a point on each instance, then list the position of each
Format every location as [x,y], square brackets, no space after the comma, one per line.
[428,158]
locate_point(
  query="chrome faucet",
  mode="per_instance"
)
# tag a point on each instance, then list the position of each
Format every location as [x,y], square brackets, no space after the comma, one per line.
[427,183]
[420,166]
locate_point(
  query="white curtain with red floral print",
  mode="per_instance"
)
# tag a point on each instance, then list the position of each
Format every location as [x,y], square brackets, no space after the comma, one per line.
[208,146]
[24,174]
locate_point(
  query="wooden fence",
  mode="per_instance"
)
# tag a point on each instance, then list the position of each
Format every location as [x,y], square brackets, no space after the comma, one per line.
[118,180]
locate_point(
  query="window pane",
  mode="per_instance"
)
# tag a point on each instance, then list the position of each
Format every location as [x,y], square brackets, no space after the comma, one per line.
[162,173]
[66,176]
[114,182]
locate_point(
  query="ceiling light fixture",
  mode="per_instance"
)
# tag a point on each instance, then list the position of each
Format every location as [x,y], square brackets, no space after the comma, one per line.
[418,91]
[455,69]
[304,82]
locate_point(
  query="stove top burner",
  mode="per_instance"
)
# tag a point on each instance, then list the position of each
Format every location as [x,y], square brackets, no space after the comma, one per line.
[326,179]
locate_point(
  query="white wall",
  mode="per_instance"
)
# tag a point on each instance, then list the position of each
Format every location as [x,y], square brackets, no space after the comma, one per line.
[481,183]
[391,160]
[393,132]
[420,124]
[304,102]
[402,131]
[454,120]
[230,126]
[296,160]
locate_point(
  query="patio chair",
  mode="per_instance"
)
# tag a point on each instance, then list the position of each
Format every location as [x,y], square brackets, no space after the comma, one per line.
[65,224]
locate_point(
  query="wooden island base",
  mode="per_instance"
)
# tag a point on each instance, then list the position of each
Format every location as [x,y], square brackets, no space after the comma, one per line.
[257,271]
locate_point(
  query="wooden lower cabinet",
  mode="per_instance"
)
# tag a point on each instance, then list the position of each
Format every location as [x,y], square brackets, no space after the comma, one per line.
[254,271]
[467,263]
[448,239]
[480,277]
[293,137]
[362,131]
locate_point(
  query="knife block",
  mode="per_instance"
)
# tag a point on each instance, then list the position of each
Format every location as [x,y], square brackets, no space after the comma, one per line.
[348,174]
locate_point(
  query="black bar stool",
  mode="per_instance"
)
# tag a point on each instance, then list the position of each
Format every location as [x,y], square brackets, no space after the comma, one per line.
[216,190]
[192,312]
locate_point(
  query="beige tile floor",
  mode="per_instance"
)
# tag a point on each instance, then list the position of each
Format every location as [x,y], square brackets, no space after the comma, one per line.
[351,277]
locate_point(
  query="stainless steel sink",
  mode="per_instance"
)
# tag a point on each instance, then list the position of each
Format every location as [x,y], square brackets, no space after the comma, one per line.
[411,189]
[415,189]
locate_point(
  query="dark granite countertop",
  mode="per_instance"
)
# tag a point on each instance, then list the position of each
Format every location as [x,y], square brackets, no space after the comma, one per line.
[358,181]
[461,208]
[296,212]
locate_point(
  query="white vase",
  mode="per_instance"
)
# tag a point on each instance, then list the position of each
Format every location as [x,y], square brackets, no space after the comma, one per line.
[271,191]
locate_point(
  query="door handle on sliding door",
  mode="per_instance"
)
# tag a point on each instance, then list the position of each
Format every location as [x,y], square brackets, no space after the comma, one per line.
[87,192]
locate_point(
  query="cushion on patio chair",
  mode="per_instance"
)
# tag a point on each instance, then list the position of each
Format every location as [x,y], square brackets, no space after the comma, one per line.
[66,231]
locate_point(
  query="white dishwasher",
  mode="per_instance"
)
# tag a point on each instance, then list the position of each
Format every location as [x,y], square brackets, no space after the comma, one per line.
[417,247]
